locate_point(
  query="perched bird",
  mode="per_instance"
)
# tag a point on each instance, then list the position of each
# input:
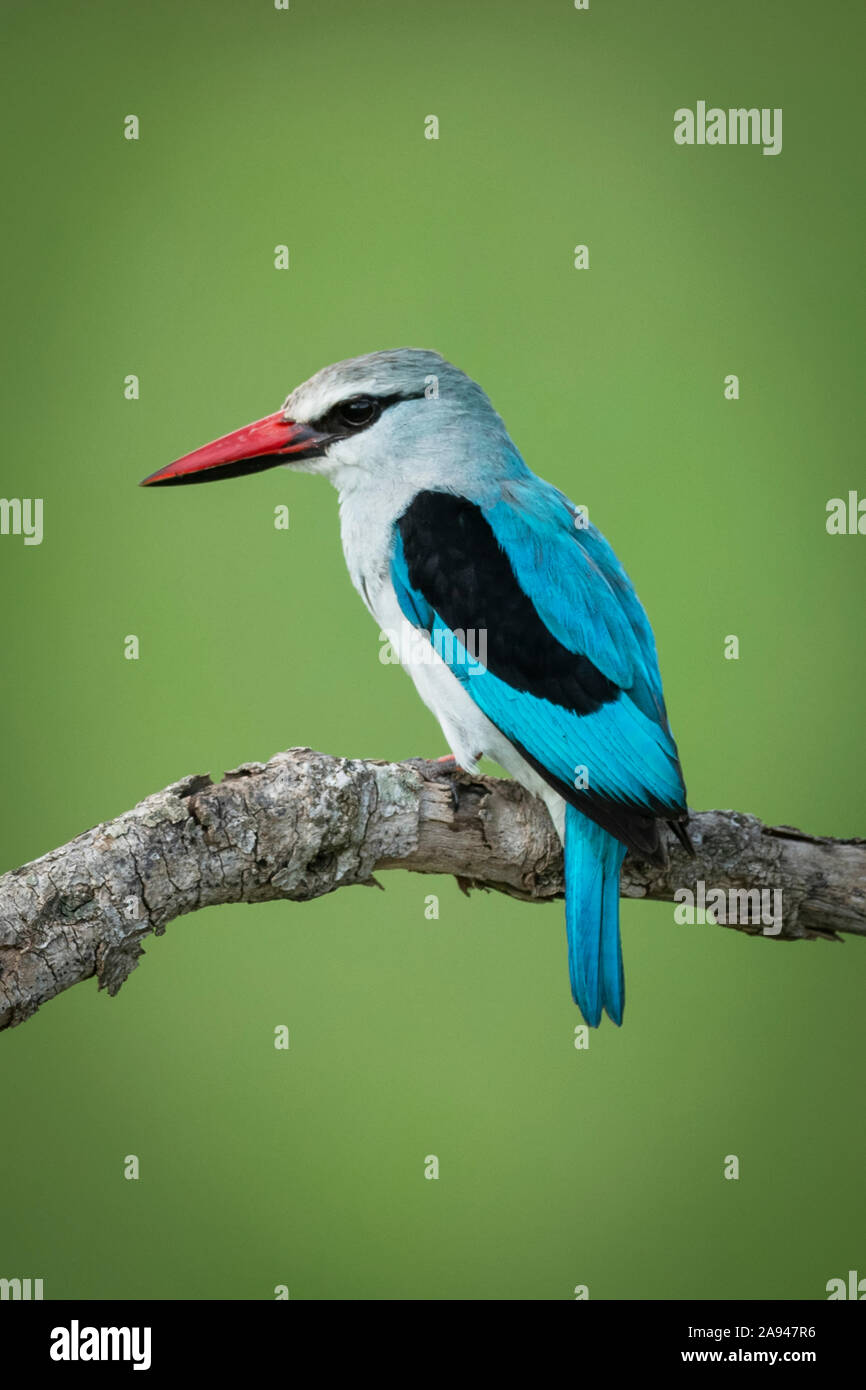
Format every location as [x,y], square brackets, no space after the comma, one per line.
[537,650]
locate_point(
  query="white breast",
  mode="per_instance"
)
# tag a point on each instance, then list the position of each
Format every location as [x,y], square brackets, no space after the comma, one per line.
[367,528]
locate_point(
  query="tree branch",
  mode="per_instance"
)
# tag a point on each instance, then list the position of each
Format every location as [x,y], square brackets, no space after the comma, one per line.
[305,824]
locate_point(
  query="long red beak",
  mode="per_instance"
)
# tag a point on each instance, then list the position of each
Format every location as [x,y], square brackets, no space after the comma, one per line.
[263,444]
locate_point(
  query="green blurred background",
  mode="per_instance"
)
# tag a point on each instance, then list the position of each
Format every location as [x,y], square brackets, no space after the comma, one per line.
[408,1036]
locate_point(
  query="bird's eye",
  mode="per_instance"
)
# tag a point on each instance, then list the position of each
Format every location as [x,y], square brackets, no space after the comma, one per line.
[359,412]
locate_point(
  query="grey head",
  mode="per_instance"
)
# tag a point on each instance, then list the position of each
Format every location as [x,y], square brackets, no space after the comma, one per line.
[388,420]
[400,415]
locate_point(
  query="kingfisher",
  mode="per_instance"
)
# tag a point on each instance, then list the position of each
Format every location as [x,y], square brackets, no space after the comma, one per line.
[537,651]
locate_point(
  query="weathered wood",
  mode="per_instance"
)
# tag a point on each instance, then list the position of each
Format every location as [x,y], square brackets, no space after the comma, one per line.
[305,824]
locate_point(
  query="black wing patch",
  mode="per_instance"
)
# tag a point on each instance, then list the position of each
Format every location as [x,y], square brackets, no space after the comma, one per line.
[454,559]
[456,562]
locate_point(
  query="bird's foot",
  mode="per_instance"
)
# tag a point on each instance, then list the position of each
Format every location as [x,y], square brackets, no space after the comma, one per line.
[453,766]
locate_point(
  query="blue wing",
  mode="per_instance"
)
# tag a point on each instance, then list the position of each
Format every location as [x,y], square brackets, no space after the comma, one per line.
[563,628]
[580,590]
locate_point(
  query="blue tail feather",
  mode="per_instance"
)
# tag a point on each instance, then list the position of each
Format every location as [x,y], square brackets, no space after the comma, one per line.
[593,859]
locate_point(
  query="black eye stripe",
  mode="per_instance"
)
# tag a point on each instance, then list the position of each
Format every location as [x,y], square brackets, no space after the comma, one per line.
[357,413]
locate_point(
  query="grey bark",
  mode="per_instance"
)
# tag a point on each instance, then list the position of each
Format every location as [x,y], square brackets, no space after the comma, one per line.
[305,824]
